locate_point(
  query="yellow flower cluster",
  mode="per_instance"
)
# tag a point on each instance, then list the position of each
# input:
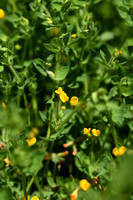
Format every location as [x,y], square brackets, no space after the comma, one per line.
[94,132]
[84,184]
[119,152]
[32,139]
[117,53]
[63,96]
[2,13]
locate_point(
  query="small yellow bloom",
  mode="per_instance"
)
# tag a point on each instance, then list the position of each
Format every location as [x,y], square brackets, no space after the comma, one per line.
[116,52]
[74,35]
[35,130]
[59,91]
[3,105]
[63,107]
[2,13]
[7,161]
[74,101]
[115,151]
[94,181]
[122,150]
[31,141]
[96,132]
[84,184]
[63,97]
[120,52]
[34,198]
[87,130]
[119,152]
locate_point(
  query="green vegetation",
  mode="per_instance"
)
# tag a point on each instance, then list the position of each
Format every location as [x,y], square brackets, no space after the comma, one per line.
[66,99]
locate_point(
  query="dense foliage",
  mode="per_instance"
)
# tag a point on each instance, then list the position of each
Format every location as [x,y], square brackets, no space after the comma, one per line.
[66,99]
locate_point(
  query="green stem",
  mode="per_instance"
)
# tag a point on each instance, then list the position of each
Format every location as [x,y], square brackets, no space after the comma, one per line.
[53,95]
[126,36]
[39,188]
[71,114]
[24,186]
[35,108]
[31,181]
[15,74]
[24,50]
[26,106]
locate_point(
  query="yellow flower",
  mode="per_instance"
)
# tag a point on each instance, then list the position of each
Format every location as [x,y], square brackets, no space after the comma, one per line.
[63,97]
[74,101]
[122,150]
[84,184]
[2,13]
[96,132]
[35,130]
[3,105]
[115,151]
[87,130]
[74,194]
[120,52]
[119,152]
[31,141]
[74,35]
[7,161]
[59,91]
[34,198]
[63,107]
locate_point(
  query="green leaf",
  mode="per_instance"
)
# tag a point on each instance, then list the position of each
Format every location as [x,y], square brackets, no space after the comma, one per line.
[102,54]
[62,73]
[52,48]
[115,79]
[40,66]
[118,114]
[41,15]
[43,115]
[107,35]
[113,92]
[57,5]
[124,13]
[51,182]
[1,68]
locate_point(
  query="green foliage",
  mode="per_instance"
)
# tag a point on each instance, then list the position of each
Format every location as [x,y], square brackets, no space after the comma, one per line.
[84,47]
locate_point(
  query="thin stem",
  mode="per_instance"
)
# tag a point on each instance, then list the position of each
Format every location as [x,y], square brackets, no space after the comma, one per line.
[35,108]
[39,188]
[24,50]
[24,186]
[31,181]
[15,74]
[26,106]
[53,95]
[71,114]
[126,36]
